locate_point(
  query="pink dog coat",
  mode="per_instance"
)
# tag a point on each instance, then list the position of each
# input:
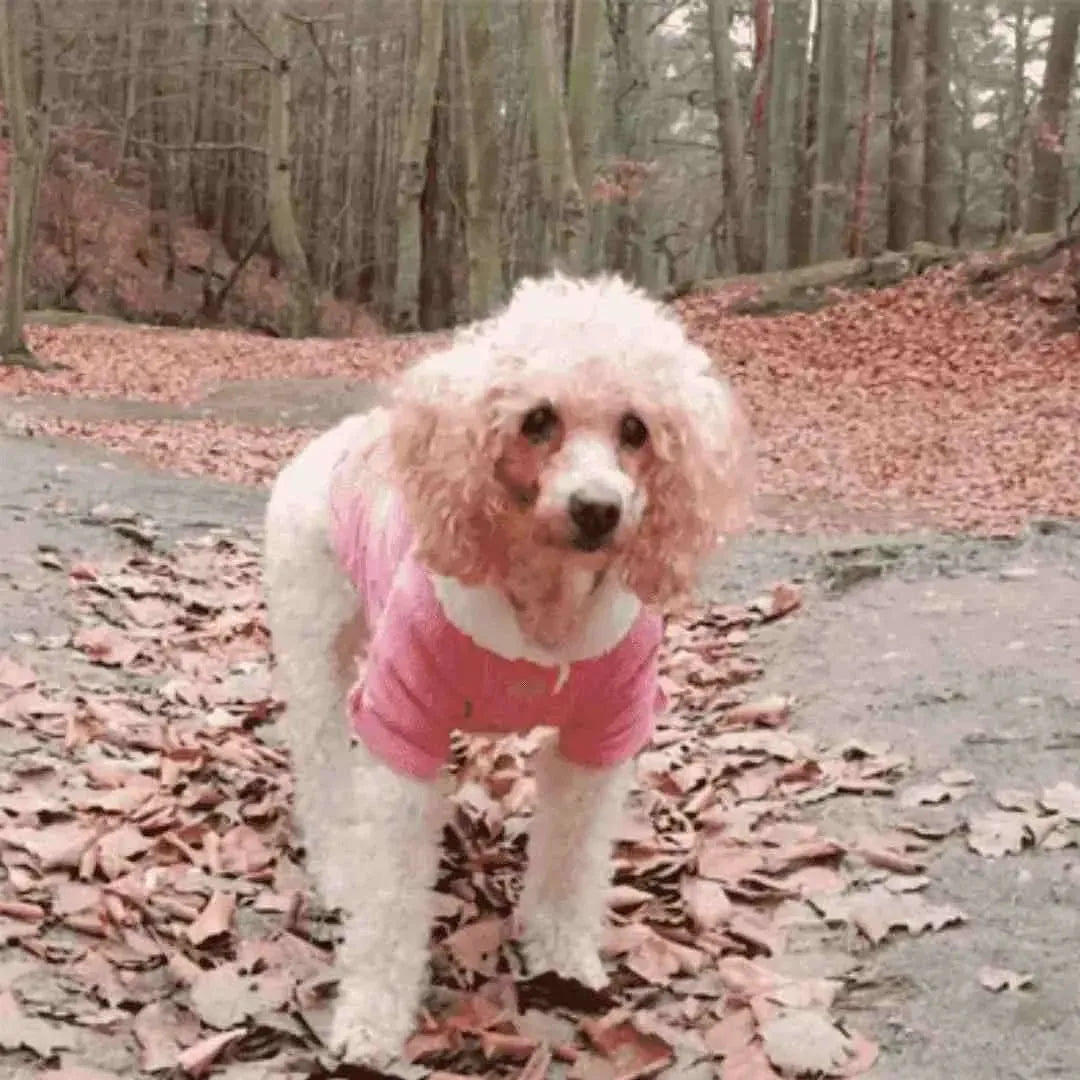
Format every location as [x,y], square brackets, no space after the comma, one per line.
[425,678]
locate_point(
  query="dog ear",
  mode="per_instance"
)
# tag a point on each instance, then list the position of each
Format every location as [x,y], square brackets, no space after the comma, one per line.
[444,442]
[699,484]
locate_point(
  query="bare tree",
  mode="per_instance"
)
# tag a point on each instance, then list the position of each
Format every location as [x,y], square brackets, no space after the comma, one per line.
[937,97]
[830,193]
[1015,156]
[482,179]
[581,92]
[788,70]
[729,123]
[562,194]
[903,209]
[860,203]
[411,169]
[1053,111]
[284,232]
[29,122]
[804,137]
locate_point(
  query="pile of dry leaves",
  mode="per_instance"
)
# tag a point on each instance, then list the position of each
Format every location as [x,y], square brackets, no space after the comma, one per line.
[154,913]
[913,405]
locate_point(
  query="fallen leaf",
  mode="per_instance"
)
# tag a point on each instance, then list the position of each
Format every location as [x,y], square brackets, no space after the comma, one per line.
[801,1041]
[15,675]
[1016,799]
[956,777]
[223,997]
[214,919]
[706,902]
[476,946]
[769,711]
[1063,798]
[997,833]
[734,1031]
[632,1053]
[18,1031]
[199,1058]
[876,912]
[998,979]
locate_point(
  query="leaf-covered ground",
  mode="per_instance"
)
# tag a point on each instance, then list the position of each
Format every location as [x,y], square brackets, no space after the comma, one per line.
[154,912]
[160,919]
[918,402]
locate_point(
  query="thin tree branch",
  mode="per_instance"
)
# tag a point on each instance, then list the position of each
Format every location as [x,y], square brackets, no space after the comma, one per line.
[248,28]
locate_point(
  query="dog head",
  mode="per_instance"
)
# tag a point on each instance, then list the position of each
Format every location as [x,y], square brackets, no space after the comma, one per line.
[580,423]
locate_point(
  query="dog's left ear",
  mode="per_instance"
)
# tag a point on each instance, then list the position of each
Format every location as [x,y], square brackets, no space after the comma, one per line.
[700,486]
[444,440]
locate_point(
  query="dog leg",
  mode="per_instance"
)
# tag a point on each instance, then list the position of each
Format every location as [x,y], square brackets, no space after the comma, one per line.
[316,628]
[564,903]
[389,856]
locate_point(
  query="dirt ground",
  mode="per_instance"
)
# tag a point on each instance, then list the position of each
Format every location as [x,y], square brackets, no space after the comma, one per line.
[961,653]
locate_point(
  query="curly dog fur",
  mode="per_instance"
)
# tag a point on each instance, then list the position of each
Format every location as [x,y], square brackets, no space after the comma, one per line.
[560,464]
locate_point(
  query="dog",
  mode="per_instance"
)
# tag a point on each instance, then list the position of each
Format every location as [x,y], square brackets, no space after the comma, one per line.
[494,549]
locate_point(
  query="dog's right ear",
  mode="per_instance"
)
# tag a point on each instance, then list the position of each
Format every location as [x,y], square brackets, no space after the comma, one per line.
[445,439]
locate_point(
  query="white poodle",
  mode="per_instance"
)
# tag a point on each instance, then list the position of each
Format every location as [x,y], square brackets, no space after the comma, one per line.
[489,553]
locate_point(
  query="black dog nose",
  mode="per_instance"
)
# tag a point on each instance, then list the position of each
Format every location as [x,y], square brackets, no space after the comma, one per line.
[594,518]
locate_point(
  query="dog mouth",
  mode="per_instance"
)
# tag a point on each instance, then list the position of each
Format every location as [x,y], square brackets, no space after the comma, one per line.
[591,544]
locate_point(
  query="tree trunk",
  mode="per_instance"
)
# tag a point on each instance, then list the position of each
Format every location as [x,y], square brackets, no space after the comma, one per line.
[412,170]
[903,208]
[1053,112]
[356,138]
[764,63]
[830,193]
[730,136]
[322,205]
[581,92]
[627,29]
[860,205]
[936,153]
[966,123]
[1015,147]
[28,122]
[564,204]
[281,212]
[133,39]
[804,137]
[482,162]
[789,22]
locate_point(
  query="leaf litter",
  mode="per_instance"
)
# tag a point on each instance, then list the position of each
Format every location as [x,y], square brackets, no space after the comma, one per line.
[152,871]
[896,406]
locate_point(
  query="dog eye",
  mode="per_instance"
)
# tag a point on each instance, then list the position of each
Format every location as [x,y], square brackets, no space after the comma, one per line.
[539,424]
[633,432]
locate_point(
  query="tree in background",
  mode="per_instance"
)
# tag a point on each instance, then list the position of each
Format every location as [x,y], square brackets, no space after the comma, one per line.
[411,169]
[829,193]
[729,125]
[903,224]
[415,157]
[564,214]
[284,232]
[935,197]
[28,120]
[1048,147]
[860,204]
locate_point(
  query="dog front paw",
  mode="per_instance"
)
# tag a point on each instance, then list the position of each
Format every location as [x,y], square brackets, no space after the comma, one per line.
[550,945]
[370,1025]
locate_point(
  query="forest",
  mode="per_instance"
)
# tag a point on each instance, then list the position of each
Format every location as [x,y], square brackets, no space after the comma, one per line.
[284,164]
